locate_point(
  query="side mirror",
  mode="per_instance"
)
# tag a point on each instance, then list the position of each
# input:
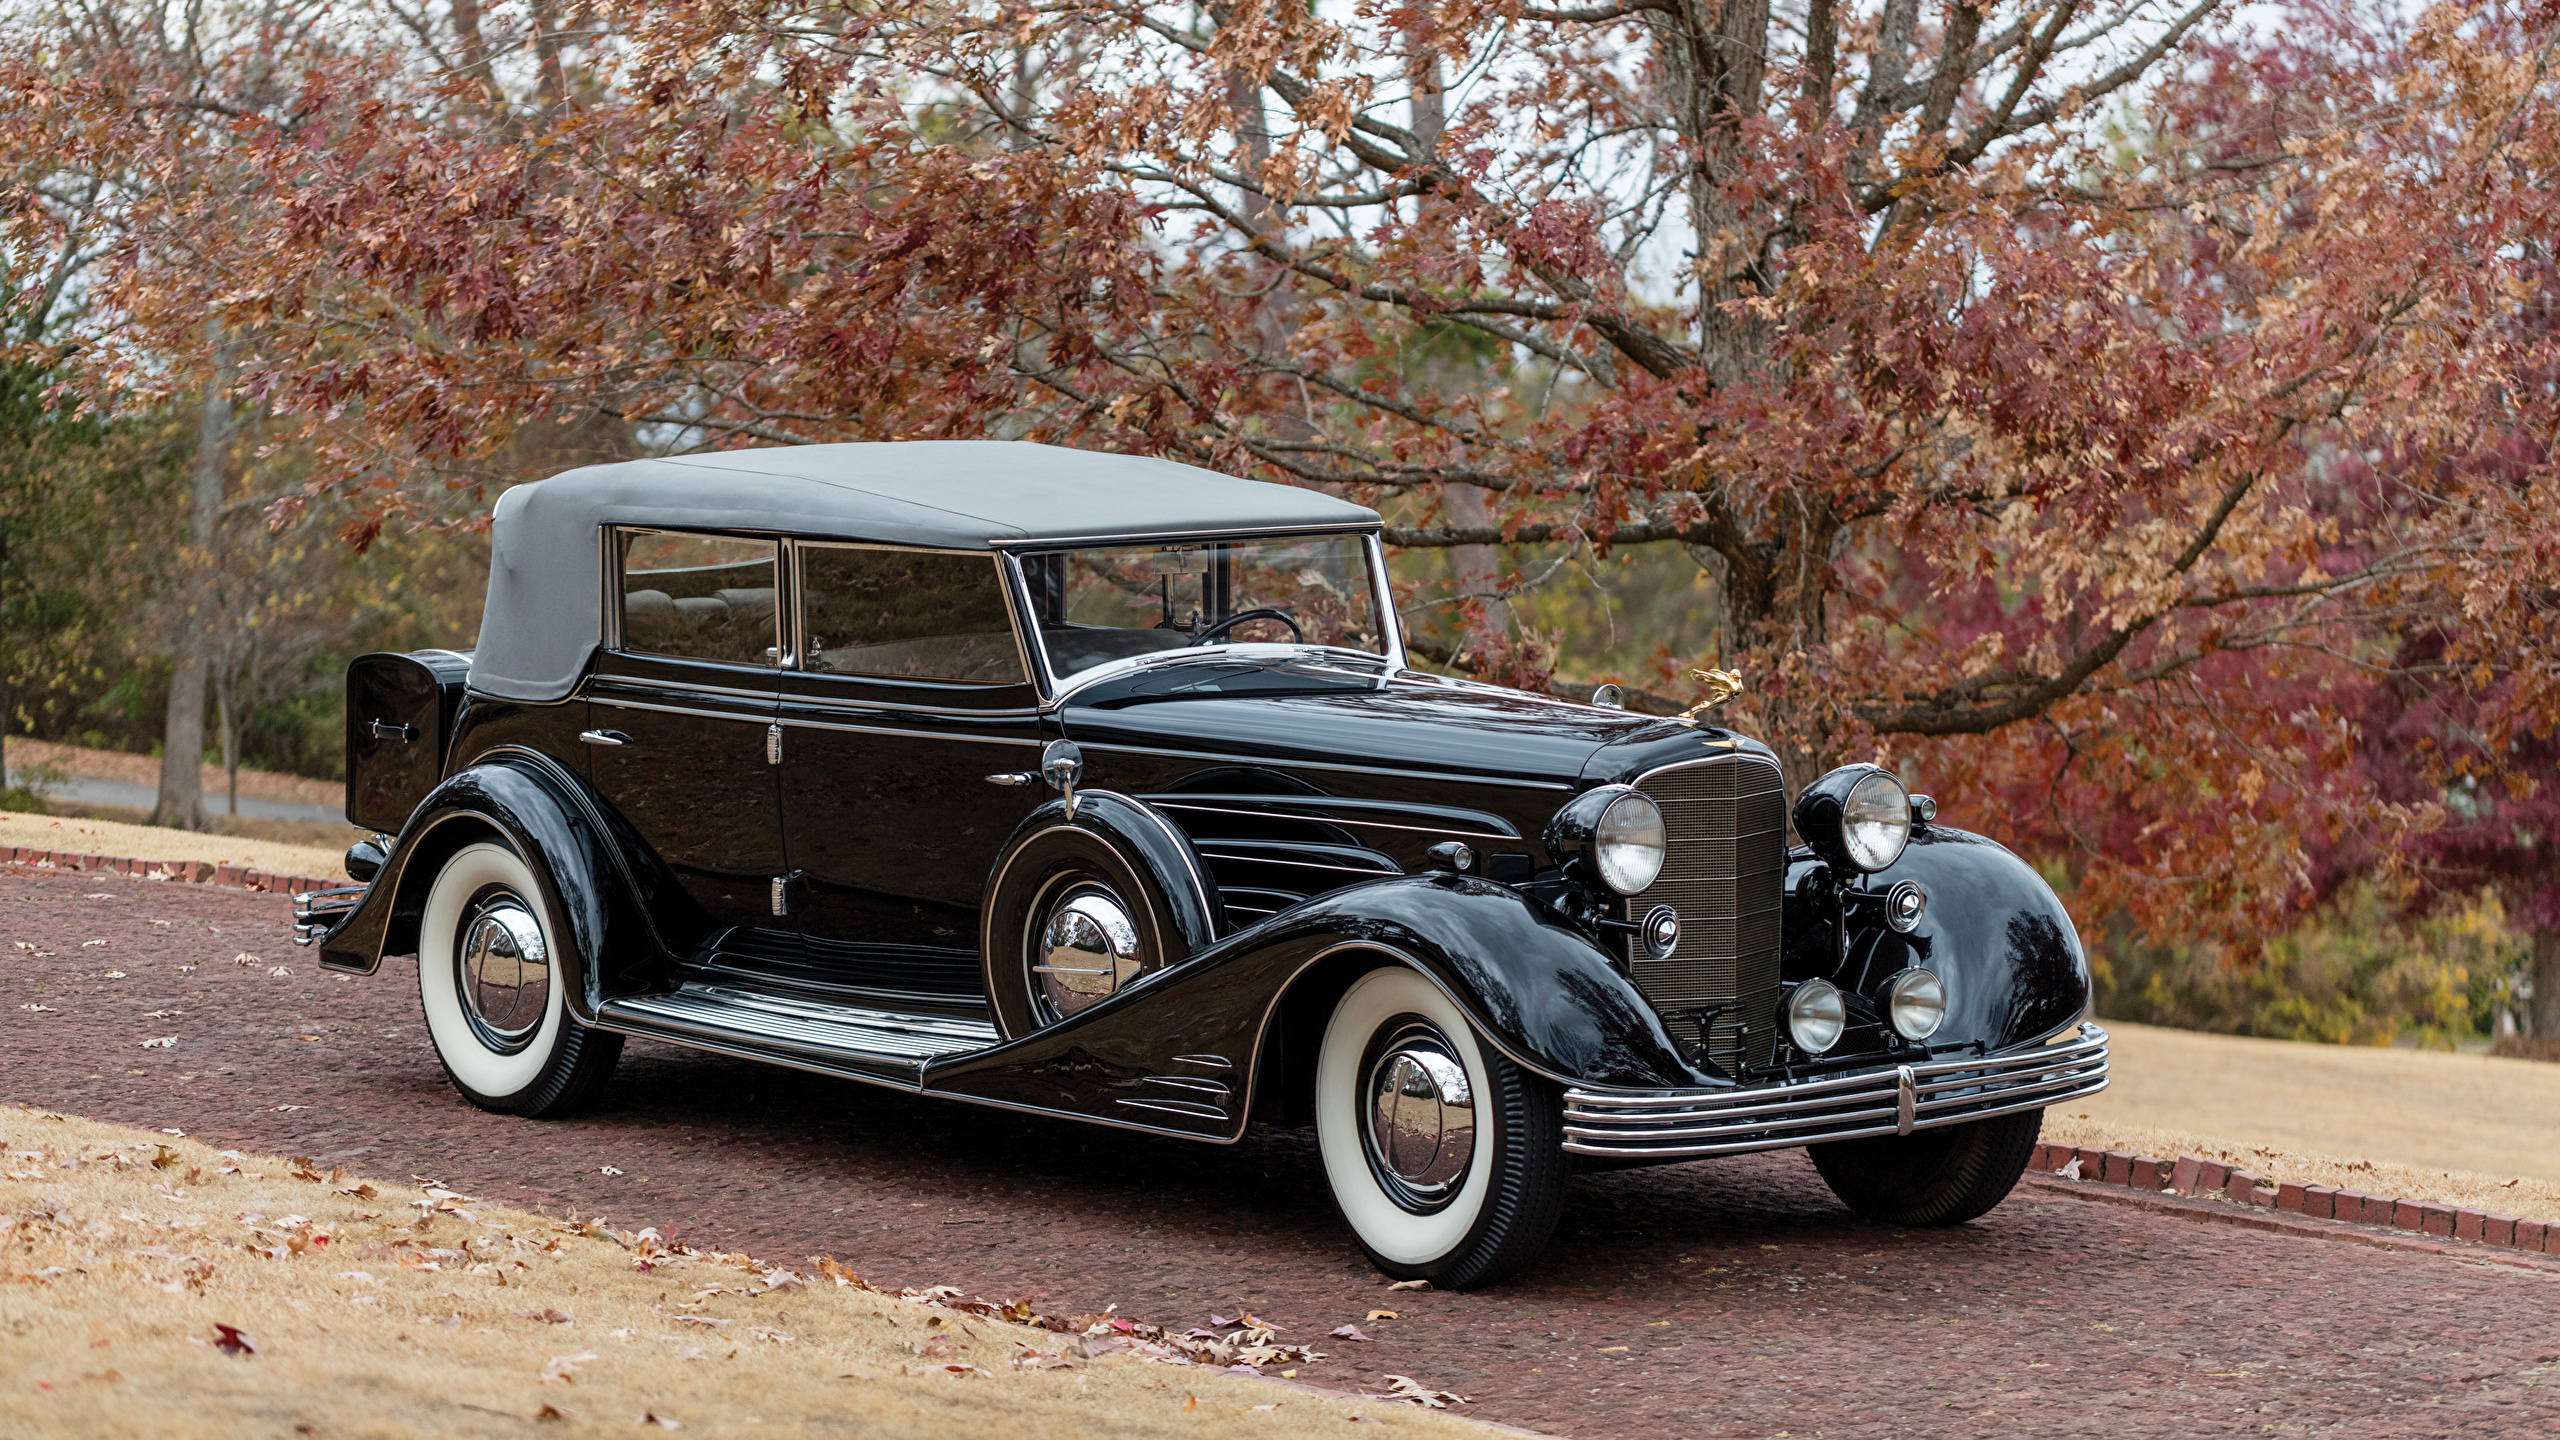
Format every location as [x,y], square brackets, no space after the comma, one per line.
[1062,765]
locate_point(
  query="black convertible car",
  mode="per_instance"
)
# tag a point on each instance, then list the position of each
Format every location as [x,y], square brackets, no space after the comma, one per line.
[1097,786]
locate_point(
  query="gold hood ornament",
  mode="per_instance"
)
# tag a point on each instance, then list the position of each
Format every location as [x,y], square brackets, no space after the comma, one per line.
[1722,685]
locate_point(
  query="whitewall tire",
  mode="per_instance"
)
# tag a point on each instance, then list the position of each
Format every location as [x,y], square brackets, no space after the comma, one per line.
[490,980]
[1444,1157]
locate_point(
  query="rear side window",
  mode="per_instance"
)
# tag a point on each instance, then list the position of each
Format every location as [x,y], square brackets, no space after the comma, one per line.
[906,615]
[699,597]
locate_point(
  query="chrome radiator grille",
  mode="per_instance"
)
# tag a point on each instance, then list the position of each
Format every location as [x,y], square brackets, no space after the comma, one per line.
[1726,820]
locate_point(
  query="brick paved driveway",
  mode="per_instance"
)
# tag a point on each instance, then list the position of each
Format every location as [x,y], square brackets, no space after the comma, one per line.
[1727,1298]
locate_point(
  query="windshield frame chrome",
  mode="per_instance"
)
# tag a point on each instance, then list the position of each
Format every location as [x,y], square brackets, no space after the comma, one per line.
[1055,688]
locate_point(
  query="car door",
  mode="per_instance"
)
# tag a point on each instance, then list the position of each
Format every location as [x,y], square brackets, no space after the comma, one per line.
[680,716]
[910,692]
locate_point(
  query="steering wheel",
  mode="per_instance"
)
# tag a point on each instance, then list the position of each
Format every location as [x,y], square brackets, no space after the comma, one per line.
[1212,632]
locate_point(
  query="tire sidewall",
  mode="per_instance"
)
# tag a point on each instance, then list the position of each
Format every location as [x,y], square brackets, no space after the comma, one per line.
[487,1078]
[1397,1240]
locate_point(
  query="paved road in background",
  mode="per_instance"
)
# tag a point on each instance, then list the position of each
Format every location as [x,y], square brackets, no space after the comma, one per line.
[1729,1298]
[92,790]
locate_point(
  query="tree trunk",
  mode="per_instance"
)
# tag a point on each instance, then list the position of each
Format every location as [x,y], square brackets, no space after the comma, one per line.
[181,801]
[222,696]
[2543,1017]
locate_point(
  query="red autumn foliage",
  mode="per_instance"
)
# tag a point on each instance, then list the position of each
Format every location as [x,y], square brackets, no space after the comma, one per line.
[2087,407]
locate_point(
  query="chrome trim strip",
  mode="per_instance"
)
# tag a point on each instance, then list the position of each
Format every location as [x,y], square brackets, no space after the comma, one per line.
[1215,759]
[1193,1108]
[797,724]
[1329,820]
[696,688]
[824,702]
[1390,624]
[742,1050]
[764,717]
[825,1031]
[1297,864]
[1190,1082]
[1679,1124]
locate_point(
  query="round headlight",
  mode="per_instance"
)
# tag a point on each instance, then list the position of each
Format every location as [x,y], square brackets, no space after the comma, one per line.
[1916,1001]
[1628,845]
[1816,1016]
[1875,821]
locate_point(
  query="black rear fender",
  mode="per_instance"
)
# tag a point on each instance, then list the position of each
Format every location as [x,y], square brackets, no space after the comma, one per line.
[528,803]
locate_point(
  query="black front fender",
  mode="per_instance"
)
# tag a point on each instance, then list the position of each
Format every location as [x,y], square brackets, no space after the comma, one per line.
[1541,991]
[530,804]
[1994,932]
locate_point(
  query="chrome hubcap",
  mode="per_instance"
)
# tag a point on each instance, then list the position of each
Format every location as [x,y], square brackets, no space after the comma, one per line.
[505,972]
[1420,1118]
[1087,949]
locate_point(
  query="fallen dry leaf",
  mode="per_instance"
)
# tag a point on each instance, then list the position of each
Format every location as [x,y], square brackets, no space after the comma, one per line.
[1411,1285]
[1384,1315]
[165,1042]
[563,1369]
[231,1342]
[1347,1332]
[1405,1387]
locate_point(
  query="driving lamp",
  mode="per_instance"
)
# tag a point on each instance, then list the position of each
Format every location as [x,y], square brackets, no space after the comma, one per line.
[1816,1016]
[1916,1002]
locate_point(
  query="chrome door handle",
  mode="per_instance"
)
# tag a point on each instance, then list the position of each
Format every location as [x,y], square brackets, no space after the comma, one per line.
[604,737]
[1015,777]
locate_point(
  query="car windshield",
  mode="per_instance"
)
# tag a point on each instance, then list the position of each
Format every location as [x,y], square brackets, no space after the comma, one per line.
[1115,602]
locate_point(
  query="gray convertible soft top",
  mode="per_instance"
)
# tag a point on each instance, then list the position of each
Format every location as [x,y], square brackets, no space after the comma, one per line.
[543,621]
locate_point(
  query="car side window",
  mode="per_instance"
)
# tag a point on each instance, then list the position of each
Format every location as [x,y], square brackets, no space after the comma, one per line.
[698,597]
[906,615]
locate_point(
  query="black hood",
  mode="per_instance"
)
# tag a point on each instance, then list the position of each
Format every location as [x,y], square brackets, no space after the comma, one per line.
[1336,709]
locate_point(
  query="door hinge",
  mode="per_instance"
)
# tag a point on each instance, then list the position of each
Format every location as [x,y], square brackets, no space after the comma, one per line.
[773,750]
[785,893]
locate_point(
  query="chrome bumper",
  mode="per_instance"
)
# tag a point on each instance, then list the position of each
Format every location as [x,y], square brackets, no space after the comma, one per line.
[1894,1100]
[318,912]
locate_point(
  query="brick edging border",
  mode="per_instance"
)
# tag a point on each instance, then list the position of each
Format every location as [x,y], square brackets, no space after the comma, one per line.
[2193,1178]
[194,872]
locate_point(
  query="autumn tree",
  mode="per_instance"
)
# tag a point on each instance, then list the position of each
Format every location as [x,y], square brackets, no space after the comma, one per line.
[1999,362]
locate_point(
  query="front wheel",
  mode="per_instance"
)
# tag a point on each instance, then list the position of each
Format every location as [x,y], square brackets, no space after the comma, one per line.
[1445,1159]
[490,983]
[1934,1177]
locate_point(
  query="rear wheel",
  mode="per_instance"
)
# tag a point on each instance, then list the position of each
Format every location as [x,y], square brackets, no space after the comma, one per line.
[1445,1158]
[491,985]
[1933,1177]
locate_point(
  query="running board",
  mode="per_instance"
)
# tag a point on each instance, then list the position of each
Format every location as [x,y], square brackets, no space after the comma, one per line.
[846,1040]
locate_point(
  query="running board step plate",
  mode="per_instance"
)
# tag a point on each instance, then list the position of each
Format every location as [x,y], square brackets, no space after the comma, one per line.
[836,1039]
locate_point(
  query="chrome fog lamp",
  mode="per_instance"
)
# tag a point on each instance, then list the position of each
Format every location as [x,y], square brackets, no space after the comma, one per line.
[1616,831]
[1815,1016]
[1916,1002]
[1857,818]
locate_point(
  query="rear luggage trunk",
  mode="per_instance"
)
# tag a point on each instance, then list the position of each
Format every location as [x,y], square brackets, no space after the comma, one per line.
[400,711]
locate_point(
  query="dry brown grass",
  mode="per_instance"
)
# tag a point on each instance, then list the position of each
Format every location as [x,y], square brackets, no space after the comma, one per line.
[385,1311]
[2469,1130]
[152,842]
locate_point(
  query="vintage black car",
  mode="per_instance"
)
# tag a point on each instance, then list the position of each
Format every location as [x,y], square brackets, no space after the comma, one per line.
[1097,786]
